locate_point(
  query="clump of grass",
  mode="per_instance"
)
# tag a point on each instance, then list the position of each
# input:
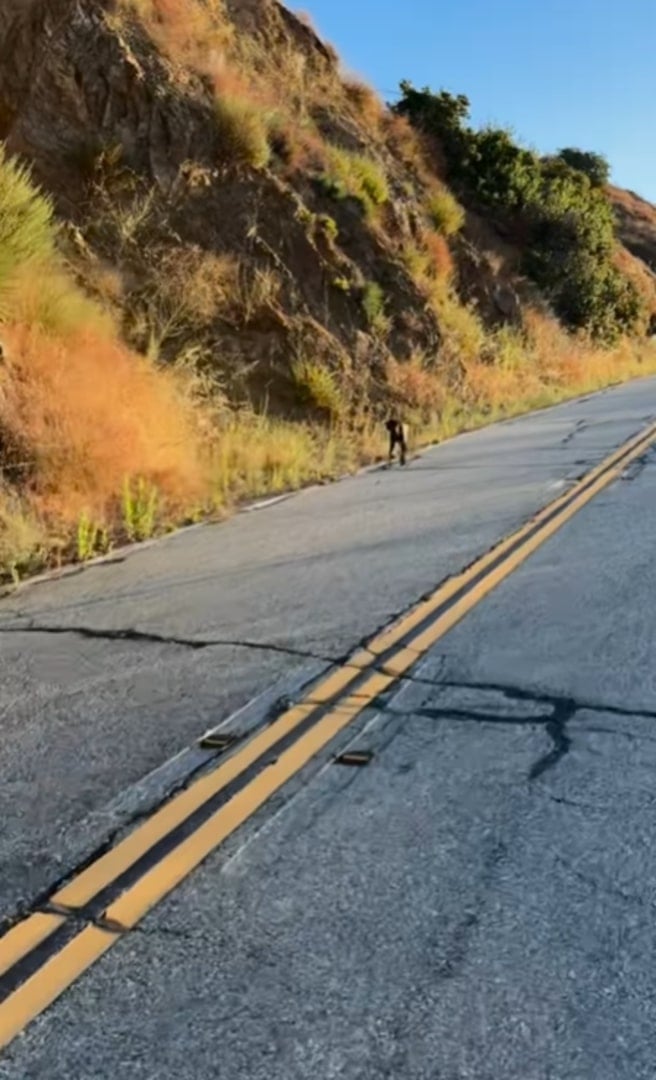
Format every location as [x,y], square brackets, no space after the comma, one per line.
[373,305]
[333,187]
[418,264]
[23,539]
[242,132]
[188,32]
[364,100]
[318,225]
[429,262]
[27,230]
[127,221]
[140,504]
[258,290]
[318,387]
[355,175]
[184,291]
[342,283]
[328,227]
[464,334]
[46,298]
[444,212]
[91,538]
[439,254]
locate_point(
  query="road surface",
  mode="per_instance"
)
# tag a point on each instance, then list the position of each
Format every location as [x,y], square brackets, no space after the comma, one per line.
[474,903]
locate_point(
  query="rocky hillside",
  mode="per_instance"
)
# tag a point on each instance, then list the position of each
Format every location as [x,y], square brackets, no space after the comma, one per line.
[255,249]
[636,229]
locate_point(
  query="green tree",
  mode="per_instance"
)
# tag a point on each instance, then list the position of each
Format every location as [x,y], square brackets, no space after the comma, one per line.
[442,115]
[595,166]
[557,205]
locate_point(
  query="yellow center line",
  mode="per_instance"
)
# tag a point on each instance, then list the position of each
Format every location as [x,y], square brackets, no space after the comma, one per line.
[28,934]
[53,977]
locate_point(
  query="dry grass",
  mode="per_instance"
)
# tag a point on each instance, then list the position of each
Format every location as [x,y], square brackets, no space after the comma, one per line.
[243,128]
[318,387]
[519,372]
[257,293]
[439,254]
[365,103]
[191,33]
[184,291]
[255,455]
[24,540]
[637,207]
[642,277]
[444,212]
[418,389]
[46,298]
[85,415]
[357,176]
[546,365]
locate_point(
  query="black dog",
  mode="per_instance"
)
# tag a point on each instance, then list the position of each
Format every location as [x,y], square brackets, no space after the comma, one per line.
[398,434]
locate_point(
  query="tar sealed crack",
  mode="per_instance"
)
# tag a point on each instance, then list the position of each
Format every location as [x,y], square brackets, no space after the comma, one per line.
[562,710]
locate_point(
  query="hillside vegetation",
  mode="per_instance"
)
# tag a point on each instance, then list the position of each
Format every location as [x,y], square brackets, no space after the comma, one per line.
[222,262]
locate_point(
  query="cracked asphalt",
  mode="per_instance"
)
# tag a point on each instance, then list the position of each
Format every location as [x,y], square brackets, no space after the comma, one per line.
[475,904]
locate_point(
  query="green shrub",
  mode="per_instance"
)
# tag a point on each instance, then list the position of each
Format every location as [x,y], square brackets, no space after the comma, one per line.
[562,212]
[445,213]
[318,386]
[595,166]
[242,131]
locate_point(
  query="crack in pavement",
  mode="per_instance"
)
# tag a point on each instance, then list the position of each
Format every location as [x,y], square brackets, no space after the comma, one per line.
[519,693]
[604,887]
[563,708]
[555,725]
[152,638]
[638,465]
[579,426]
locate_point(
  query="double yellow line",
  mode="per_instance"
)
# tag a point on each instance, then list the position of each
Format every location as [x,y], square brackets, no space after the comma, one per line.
[36,967]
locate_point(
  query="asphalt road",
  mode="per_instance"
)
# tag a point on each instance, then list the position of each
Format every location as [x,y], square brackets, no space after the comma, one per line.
[477,902]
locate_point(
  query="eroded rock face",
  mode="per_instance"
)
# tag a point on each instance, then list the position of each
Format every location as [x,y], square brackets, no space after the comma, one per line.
[70,83]
[69,77]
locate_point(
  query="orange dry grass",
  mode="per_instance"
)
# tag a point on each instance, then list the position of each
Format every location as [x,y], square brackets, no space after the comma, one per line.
[88,414]
[187,31]
[439,252]
[549,366]
[365,102]
[413,385]
[633,204]
[637,272]
[412,149]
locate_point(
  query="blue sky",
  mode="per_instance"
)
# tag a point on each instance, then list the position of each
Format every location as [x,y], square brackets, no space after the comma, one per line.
[559,72]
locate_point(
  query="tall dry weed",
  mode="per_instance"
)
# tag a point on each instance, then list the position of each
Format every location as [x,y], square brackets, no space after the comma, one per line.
[86,414]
